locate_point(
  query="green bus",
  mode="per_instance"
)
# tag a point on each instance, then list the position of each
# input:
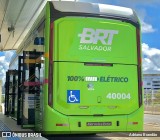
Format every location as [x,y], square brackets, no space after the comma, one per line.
[90,69]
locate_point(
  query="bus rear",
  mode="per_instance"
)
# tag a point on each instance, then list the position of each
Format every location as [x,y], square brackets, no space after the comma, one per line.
[94,75]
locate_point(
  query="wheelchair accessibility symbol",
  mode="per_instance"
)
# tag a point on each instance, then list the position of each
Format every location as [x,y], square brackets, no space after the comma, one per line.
[73,96]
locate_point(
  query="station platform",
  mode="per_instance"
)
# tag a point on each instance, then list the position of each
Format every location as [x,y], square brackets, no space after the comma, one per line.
[9,130]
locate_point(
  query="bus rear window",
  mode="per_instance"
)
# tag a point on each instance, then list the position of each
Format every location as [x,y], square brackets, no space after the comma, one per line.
[95,40]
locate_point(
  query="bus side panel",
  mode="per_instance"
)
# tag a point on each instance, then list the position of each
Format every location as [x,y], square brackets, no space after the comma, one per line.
[46,63]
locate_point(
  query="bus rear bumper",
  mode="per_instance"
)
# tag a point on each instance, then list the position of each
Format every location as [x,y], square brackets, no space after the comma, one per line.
[57,123]
[135,120]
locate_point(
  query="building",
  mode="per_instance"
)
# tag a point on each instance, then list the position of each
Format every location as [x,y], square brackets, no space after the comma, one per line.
[151,83]
[0,91]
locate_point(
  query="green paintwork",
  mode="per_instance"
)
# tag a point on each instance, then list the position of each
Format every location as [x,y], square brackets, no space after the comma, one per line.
[69,61]
[67,41]
[101,89]
[54,117]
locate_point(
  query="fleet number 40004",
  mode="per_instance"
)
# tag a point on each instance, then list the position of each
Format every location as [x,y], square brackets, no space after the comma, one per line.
[119,96]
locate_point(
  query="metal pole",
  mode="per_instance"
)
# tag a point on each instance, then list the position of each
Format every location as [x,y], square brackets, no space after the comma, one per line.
[152,100]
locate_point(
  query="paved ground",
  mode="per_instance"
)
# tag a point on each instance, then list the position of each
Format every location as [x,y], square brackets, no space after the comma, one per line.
[152,120]
[151,123]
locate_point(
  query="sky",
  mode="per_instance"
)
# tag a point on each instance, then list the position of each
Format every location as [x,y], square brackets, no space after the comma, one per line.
[148,12]
[5,58]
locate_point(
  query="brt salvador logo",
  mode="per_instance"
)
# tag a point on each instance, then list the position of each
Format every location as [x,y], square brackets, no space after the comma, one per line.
[89,39]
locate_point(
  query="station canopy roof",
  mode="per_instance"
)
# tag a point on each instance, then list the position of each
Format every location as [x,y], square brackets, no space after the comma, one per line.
[16,19]
[18,16]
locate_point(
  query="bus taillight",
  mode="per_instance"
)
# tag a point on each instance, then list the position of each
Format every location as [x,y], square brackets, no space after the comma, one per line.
[133,123]
[60,124]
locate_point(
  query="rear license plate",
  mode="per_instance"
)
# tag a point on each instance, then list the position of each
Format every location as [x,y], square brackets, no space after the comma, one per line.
[99,123]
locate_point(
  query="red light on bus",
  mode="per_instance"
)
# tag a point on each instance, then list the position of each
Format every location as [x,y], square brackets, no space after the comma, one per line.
[60,124]
[133,123]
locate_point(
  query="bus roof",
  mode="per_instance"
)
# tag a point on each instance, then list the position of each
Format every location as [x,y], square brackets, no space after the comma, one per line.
[103,10]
